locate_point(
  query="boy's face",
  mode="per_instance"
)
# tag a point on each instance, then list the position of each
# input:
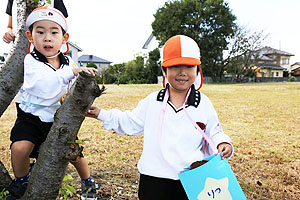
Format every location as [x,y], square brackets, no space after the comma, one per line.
[47,37]
[181,77]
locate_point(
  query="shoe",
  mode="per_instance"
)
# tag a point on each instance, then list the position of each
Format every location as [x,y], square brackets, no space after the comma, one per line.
[16,190]
[89,190]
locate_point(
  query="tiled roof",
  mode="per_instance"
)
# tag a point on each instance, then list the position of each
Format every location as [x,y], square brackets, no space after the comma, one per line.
[92,58]
[270,51]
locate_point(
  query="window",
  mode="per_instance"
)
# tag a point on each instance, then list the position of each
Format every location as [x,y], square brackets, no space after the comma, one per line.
[284,61]
[277,74]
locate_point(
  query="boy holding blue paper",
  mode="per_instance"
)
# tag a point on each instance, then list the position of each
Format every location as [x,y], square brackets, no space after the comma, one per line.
[167,119]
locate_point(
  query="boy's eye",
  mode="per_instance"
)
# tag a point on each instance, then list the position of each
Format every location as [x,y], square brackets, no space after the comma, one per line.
[40,32]
[54,32]
[191,66]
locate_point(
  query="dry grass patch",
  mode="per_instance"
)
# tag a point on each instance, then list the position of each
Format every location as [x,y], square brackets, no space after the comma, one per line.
[261,119]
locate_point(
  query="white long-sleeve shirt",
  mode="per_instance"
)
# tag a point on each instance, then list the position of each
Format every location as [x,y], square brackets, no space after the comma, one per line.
[44,85]
[181,143]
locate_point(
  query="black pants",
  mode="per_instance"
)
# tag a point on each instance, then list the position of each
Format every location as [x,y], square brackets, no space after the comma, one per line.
[153,188]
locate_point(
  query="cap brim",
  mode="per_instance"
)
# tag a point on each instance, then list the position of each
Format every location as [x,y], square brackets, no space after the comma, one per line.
[181,61]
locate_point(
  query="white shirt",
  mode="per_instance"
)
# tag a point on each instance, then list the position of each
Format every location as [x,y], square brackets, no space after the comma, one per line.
[44,85]
[181,143]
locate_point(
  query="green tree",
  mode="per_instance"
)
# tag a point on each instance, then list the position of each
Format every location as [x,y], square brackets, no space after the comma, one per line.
[209,22]
[153,66]
[115,72]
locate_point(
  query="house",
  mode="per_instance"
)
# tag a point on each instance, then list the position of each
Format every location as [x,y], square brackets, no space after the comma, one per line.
[272,63]
[86,59]
[295,69]
[73,51]
[150,44]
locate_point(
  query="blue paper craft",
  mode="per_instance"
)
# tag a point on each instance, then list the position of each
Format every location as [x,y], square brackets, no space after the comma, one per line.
[212,181]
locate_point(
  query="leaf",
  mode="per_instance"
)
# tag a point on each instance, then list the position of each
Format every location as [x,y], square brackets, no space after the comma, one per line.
[70,189]
[63,192]
[67,177]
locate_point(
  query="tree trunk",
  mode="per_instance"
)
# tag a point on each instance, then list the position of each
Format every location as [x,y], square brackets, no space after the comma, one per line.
[60,146]
[5,178]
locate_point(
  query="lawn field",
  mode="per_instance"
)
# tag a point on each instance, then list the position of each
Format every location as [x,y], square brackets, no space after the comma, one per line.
[262,120]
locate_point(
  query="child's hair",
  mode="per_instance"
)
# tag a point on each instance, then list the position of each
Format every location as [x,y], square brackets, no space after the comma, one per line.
[165,69]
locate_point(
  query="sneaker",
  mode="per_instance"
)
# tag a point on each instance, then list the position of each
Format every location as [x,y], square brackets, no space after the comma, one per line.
[16,190]
[89,190]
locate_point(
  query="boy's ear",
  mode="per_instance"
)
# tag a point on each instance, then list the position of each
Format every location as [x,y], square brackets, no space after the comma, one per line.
[29,36]
[163,72]
[65,38]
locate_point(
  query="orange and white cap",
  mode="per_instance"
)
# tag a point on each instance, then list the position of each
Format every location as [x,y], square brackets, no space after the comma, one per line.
[181,50]
[47,13]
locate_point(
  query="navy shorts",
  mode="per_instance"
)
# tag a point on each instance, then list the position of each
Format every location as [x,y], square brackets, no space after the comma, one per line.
[30,128]
[151,188]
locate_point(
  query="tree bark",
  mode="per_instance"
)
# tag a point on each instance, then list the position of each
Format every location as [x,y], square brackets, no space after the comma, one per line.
[5,178]
[60,146]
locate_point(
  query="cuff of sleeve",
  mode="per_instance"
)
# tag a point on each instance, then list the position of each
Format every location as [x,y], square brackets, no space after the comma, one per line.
[103,114]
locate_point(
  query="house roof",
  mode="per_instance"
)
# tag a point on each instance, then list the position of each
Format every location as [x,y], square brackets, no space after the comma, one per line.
[74,45]
[92,58]
[271,51]
[145,46]
[296,63]
[270,66]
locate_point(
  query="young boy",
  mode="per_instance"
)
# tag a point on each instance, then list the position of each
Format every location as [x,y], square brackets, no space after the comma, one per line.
[171,142]
[47,76]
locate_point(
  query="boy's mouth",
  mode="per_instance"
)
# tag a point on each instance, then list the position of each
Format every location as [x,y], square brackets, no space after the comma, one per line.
[182,80]
[48,47]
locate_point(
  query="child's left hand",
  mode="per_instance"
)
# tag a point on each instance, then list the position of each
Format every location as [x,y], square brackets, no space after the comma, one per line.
[225,148]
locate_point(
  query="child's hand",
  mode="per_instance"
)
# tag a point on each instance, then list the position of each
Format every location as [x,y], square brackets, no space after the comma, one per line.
[9,36]
[89,70]
[93,112]
[225,148]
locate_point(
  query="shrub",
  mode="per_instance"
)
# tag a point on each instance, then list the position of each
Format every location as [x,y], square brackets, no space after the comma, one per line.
[292,79]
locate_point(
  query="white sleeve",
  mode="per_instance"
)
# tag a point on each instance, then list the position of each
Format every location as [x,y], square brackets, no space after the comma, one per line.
[128,122]
[214,129]
[43,82]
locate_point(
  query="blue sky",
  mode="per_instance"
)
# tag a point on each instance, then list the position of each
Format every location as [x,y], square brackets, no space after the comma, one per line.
[115,30]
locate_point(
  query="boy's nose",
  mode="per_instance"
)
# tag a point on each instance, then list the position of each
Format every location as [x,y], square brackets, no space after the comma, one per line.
[47,37]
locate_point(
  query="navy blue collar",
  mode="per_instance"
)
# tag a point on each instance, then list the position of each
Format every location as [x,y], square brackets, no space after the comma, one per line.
[193,100]
[40,57]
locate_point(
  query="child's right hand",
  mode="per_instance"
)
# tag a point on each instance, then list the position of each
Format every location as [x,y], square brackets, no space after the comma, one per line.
[88,70]
[93,112]
[9,36]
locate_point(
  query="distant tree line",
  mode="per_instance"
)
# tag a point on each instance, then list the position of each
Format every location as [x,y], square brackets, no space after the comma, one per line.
[138,71]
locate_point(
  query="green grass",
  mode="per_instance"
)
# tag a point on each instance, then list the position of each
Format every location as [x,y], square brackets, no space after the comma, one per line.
[261,119]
